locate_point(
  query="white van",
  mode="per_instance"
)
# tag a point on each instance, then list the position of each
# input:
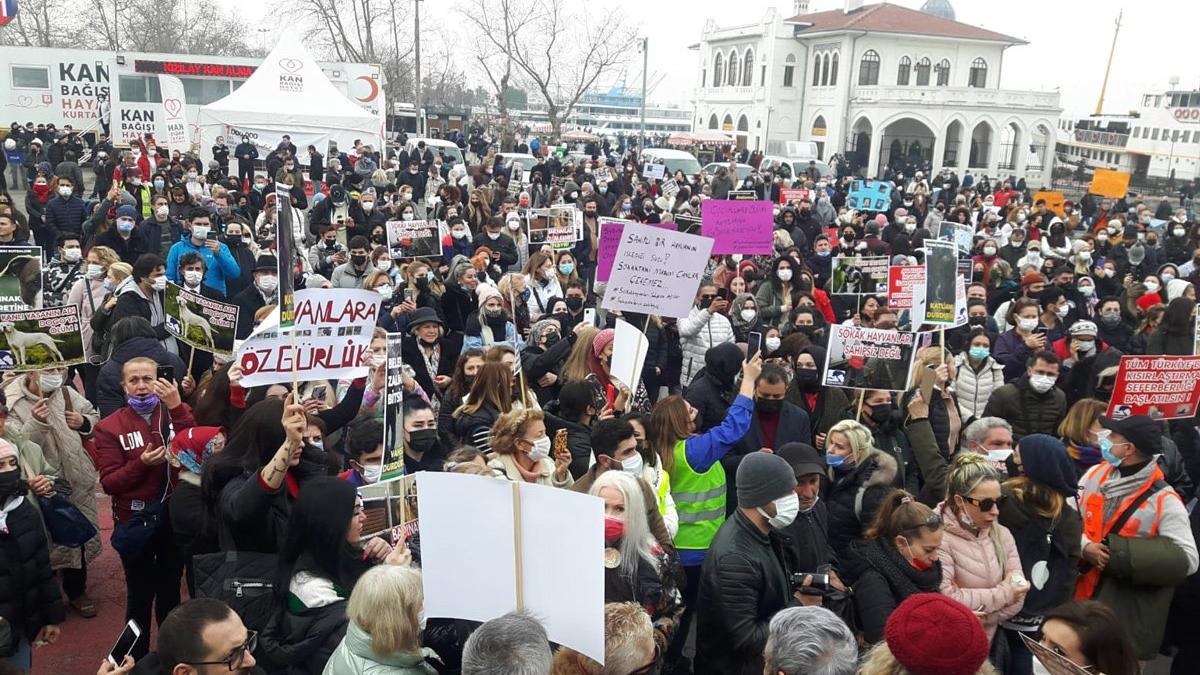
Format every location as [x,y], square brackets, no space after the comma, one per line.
[790,167]
[675,160]
[437,145]
[523,160]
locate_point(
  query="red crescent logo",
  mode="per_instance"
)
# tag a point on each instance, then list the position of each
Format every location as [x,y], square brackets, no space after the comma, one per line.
[374,88]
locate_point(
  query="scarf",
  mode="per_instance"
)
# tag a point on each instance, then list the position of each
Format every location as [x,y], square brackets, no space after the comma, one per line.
[9,508]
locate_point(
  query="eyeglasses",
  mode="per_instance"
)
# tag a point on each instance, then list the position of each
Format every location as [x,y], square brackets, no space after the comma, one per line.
[987,504]
[237,657]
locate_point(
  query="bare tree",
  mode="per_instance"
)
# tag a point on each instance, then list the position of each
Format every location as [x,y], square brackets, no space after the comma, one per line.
[497,24]
[55,23]
[192,28]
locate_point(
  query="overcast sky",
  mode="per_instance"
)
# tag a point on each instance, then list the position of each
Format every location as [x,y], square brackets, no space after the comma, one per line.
[1069,42]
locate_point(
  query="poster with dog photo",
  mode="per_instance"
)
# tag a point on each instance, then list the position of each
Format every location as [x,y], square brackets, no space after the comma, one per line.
[20,278]
[200,322]
[40,338]
[859,275]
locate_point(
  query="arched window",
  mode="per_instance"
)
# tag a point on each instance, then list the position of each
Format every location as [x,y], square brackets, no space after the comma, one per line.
[943,73]
[923,72]
[978,74]
[748,68]
[712,122]
[817,71]
[903,70]
[789,69]
[868,69]
[825,70]
[833,71]
[718,69]
[731,78]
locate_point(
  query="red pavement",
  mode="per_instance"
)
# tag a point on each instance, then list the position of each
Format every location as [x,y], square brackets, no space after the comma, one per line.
[85,642]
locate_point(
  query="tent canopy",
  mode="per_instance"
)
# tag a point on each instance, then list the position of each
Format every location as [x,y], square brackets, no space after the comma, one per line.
[288,94]
[699,137]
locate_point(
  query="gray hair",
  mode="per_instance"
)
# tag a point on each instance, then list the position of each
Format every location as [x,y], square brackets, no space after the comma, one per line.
[810,640]
[513,644]
[978,430]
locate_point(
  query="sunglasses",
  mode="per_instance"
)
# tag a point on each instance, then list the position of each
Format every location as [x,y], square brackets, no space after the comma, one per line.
[933,521]
[987,504]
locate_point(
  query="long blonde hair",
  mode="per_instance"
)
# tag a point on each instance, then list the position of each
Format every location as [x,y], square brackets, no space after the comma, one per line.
[881,661]
[576,368]
[637,540]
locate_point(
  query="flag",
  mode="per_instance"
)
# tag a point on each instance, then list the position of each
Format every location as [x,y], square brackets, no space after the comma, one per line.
[8,10]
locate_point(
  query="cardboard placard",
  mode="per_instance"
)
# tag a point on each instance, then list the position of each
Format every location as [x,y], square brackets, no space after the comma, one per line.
[934,302]
[738,226]
[200,322]
[1109,183]
[870,195]
[656,271]
[630,346]
[868,358]
[859,275]
[789,195]
[391,508]
[40,338]
[1054,201]
[1159,387]
[392,460]
[408,239]
[285,245]
[902,279]
[607,241]
[555,225]
[742,195]
[656,171]
[962,234]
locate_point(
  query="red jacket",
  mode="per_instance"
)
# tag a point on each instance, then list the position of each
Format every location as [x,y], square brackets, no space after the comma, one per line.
[121,438]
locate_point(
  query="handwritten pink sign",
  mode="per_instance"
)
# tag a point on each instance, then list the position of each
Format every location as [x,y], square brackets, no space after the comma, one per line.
[738,226]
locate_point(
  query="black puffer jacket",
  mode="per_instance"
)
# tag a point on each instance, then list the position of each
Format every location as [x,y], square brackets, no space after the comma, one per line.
[883,580]
[743,583]
[29,595]
[300,643]
[712,390]
[1026,410]
[873,476]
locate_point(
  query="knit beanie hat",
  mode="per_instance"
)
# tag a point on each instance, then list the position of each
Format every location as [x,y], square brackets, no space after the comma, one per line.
[1044,459]
[880,220]
[931,634]
[1148,300]
[485,291]
[603,339]
[762,478]
[1032,278]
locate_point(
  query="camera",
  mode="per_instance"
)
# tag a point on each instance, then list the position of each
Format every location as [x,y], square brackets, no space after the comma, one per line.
[818,586]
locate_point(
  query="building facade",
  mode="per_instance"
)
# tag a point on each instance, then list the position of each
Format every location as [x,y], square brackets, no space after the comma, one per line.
[878,84]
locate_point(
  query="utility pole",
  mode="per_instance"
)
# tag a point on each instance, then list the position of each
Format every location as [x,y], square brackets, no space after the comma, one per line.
[645,66]
[1112,50]
[417,51]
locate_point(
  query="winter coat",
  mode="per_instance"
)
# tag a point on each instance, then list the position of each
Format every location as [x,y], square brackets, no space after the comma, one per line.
[931,460]
[88,295]
[883,579]
[579,442]
[973,575]
[449,348]
[974,389]
[711,399]
[110,393]
[699,331]
[1012,353]
[356,656]
[873,477]
[64,452]
[300,640]
[809,539]
[943,417]
[1026,410]
[744,581]
[29,595]
[121,438]
[507,465]
[1162,342]
[457,304]
[249,301]
[831,407]
[65,215]
[1056,543]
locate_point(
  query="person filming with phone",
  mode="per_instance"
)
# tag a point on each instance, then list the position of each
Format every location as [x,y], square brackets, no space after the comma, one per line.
[201,239]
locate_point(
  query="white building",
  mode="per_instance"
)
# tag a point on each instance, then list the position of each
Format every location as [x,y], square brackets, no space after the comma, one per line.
[880,84]
[1159,138]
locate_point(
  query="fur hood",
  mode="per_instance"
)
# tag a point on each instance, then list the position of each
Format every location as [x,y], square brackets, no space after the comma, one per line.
[883,468]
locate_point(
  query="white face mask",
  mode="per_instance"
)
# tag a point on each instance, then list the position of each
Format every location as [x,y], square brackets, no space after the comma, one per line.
[1027,325]
[1041,383]
[383,265]
[371,474]
[159,283]
[989,250]
[267,284]
[493,235]
[784,274]
[64,191]
[1062,311]
[1167,277]
[50,383]
[162,211]
[1087,291]
[1178,232]
[200,231]
[384,290]
[72,254]
[458,234]
[367,206]
[1152,286]
[633,465]
[748,315]
[541,449]
[94,271]
[786,508]
[514,224]
[192,277]
[772,343]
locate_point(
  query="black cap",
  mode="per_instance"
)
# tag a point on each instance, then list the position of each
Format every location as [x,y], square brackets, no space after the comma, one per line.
[266,263]
[1143,432]
[423,315]
[803,458]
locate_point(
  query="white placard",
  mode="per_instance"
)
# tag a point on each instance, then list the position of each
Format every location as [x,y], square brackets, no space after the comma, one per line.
[561,546]
[656,271]
[654,171]
[333,339]
[629,354]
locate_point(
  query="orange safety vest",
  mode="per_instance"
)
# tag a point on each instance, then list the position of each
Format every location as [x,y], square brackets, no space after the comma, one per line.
[1142,524]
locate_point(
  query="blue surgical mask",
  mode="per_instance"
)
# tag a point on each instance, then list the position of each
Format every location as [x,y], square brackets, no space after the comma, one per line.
[834,461]
[980,353]
[1106,447]
[823,254]
[158,185]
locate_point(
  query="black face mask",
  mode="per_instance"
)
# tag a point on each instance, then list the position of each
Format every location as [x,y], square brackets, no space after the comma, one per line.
[11,484]
[233,239]
[551,339]
[358,260]
[705,302]
[379,239]
[977,320]
[574,304]
[807,379]
[768,405]
[422,440]
[881,415]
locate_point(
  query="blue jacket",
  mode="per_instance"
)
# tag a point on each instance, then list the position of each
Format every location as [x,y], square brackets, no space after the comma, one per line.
[65,215]
[220,265]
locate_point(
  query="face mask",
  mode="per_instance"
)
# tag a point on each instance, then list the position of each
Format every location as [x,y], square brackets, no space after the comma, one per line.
[768,405]
[1102,237]
[910,227]
[1110,318]
[358,260]
[72,254]
[458,234]
[383,265]
[159,283]
[94,271]
[143,405]
[1041,383]
[1027,325]
[614,529]
[493,313]
[193,277]
[784,274]
[1178,232]
[881,414]
[64,191]
[786,508]
[493,235]
[50,383]
[834,461]
[260,186]
[917,563]
[125,225]
[574,304]
[1062,311]
[158,184]
[566,268]
[980,353]
[1167,277]
[267,284]
[422,440]
[367,206]
[540,449]
[1151,286]
[748,315]
[633,465]
[772,343]
[11,484]
[1106,447]
[200,231]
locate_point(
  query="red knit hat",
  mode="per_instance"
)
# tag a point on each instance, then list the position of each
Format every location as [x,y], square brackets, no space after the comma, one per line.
[930,634]
[1032,278]
[1148,300]
[603,339]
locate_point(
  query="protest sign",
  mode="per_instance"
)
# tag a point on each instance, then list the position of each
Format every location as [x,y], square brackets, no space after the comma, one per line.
[738,226]
[1109,183]
[962,234]
[200,322]
[902,279]
[934,302]
[868,358]
[555,225]
[409,239]
[1054,201]
[689,224]
[742,195]
[859,275]
[392,461]
[870,195]
[538,540]
[629,354]
[1196,336]
[1159,387]
[40,338]
[20,278]
[175,135]
[332,339]
[390,509]
[789,195]
[656,271]
[285,245]
[656,171]
[669,189]
[609,238]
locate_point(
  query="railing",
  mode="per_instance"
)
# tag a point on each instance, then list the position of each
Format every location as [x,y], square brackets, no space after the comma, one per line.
[957,96]
[728,93]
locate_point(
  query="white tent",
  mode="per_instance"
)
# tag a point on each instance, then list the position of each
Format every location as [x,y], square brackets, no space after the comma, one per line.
[287,94]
